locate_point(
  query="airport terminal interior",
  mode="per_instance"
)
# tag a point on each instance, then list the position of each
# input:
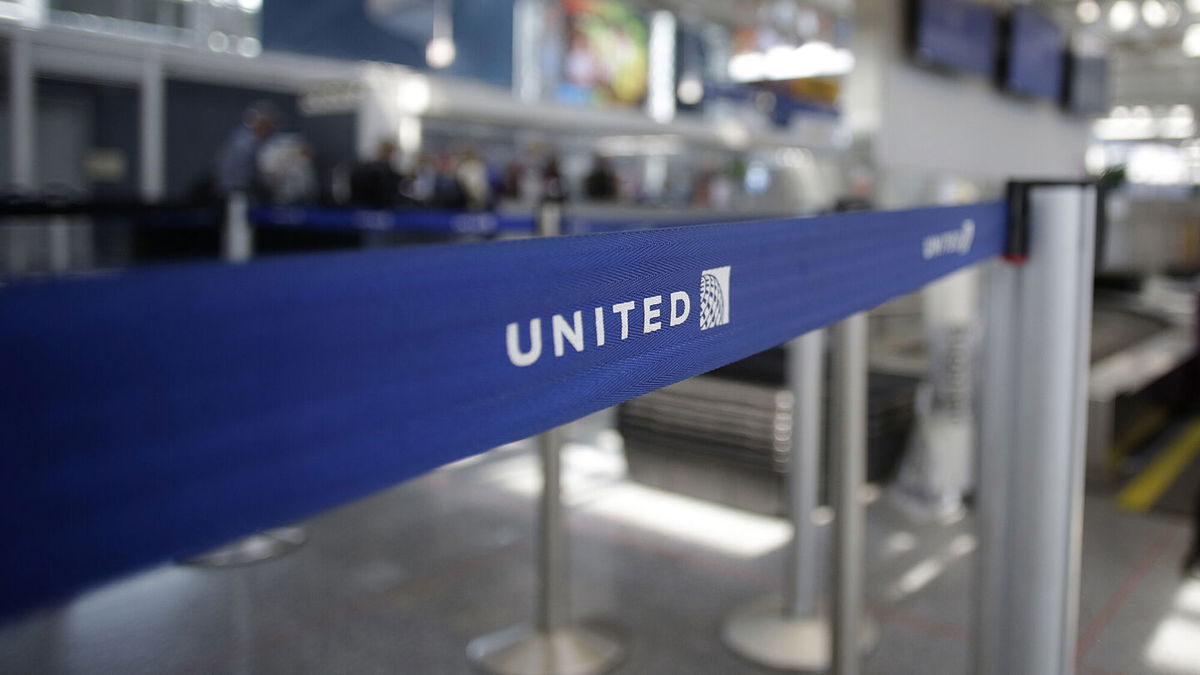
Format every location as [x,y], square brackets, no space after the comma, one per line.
[568,337]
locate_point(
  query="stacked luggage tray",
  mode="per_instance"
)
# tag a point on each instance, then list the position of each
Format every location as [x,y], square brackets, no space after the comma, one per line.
[725,436]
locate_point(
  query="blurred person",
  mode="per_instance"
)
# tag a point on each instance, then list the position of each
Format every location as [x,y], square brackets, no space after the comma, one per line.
[472,175]
[376,183]
[295,181]
[238,161]
[421,184]
[447,190]
[601,183]
[859,199]
[554,187]
[512,181]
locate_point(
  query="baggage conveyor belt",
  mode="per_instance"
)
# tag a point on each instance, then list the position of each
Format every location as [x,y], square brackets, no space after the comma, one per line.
[724,436]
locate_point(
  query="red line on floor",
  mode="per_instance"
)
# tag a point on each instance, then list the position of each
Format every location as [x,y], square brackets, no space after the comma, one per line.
[1095,629]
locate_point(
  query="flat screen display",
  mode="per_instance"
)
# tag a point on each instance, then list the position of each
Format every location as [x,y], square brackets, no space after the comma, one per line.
[602,57]
[1087,85]
[1036,45]
[954,34]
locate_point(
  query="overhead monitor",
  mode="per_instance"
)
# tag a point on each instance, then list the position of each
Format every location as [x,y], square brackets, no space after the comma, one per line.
[1034,54]
[1086,89]
[954,34]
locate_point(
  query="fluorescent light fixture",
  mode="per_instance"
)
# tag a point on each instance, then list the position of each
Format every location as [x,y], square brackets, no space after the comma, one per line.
[1179,122]
[249,47]
[1141,123]
[1154,13]
[640,145]
[747,67]
[1191,41]
[811,59]
[1122,16]
[1088,11]
[1157,164]
[1174,12]
[414,95]
[218,41]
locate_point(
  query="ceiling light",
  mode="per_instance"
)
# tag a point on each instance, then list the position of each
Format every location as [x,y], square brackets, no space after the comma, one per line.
[1122,16]
[1193,6]
[1088,11]
[1154,13]
[1191,41]
[440,52]
[691,90]
[1174,12]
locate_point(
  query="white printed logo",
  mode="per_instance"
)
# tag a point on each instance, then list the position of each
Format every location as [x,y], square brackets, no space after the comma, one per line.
[595,327]
[714,297]
[955,241]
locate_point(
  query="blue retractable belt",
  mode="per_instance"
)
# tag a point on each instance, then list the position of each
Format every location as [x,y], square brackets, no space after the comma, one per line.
[157,413]
[395,220]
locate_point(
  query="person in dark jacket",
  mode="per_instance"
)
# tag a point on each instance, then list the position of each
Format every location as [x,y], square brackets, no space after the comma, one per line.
[601,183]
[376,183]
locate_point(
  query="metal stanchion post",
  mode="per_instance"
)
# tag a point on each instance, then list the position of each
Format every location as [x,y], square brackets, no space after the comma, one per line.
[553,644]
[237,239]
[552,611]
[849,399]
[805,375]
[59,235]
[789,632]
[1030,500]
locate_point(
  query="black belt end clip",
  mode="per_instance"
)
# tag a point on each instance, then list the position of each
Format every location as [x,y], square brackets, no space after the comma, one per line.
[1016,243]
[1016,239]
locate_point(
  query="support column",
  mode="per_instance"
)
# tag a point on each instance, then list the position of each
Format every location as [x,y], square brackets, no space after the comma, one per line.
[152,141]
[22,103]
[1030,498]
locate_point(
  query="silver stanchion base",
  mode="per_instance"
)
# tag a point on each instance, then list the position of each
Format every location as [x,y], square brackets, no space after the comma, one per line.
[759,632]
[265,545]
[580,649]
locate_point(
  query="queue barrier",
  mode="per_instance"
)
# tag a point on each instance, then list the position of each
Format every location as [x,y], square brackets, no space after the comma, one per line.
[307,217]
[154,414]
[335,218]
[432,221]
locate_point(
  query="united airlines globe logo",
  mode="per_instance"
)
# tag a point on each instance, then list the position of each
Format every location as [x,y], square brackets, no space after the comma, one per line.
[714,297]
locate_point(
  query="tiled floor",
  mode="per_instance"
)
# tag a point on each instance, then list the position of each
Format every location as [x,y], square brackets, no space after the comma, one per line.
[400,582]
